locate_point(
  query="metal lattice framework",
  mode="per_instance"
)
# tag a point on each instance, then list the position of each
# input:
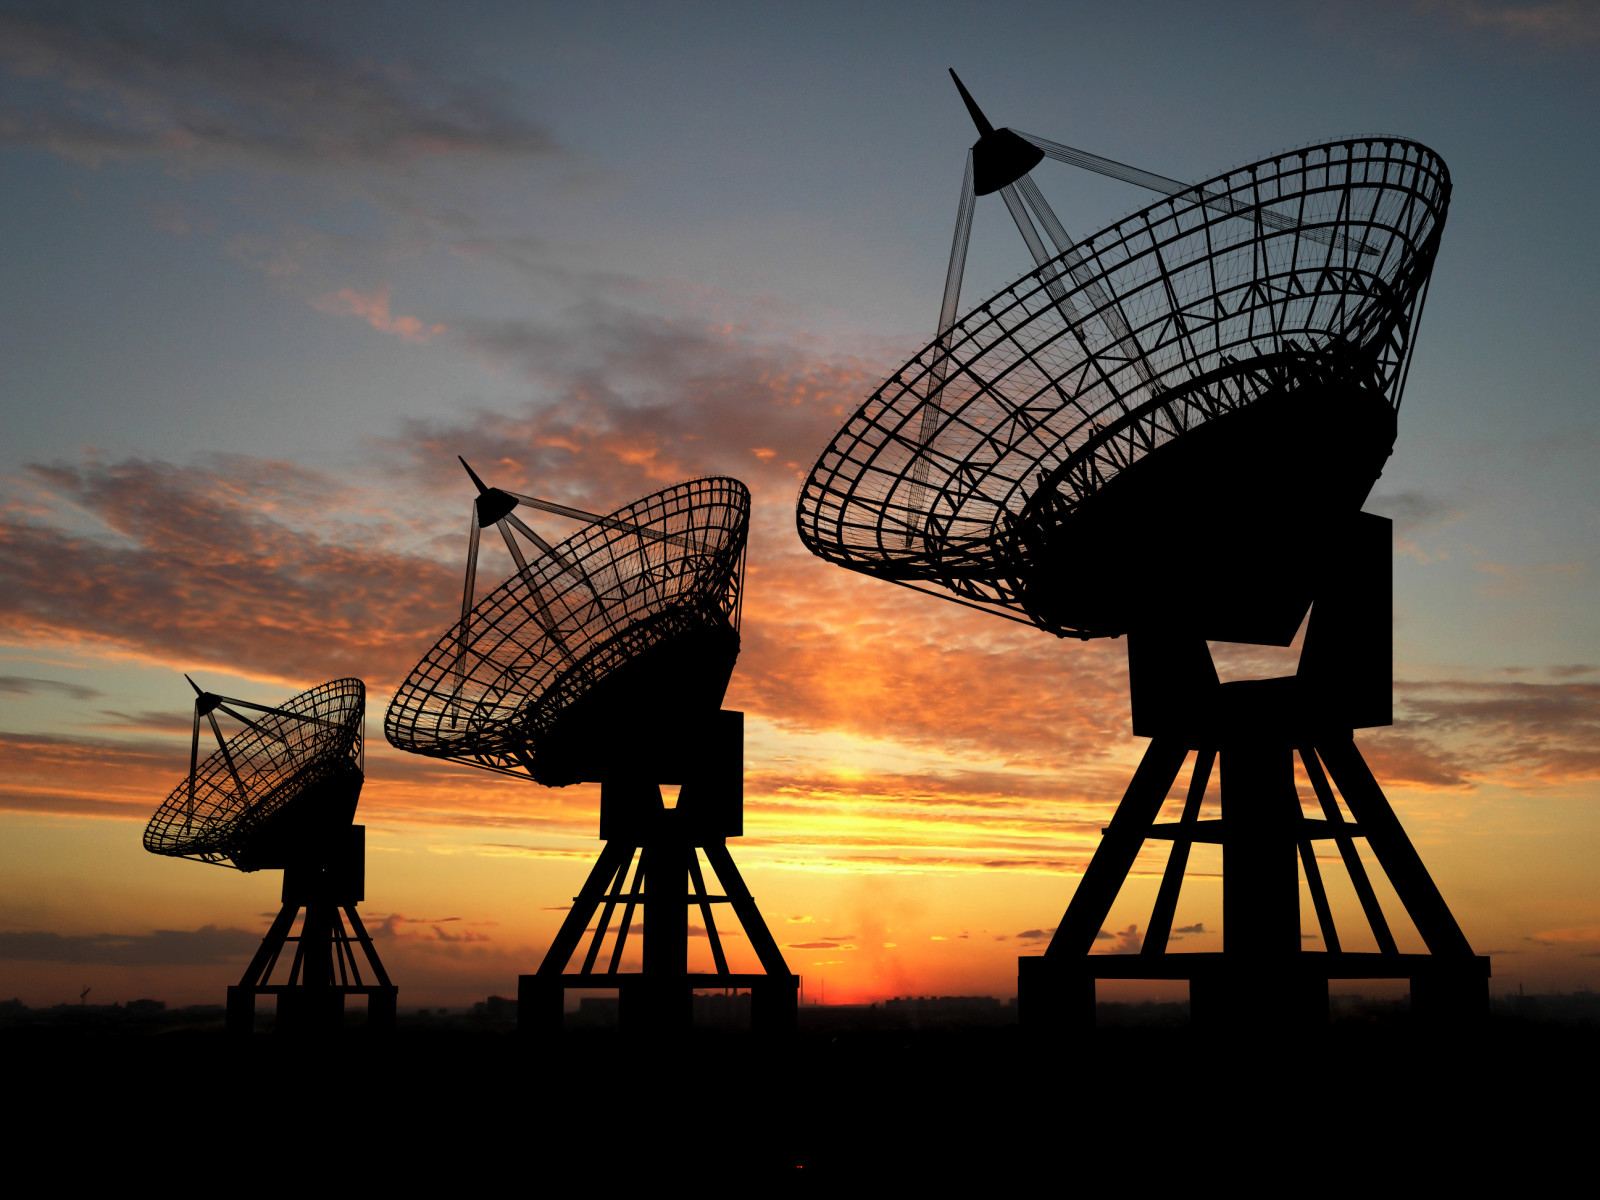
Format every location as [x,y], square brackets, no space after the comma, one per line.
[663,568]
[303,752]
[1310,265]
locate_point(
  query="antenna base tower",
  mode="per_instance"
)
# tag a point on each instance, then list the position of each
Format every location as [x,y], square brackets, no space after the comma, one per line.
[324,968]
[667,842]
[1254,729]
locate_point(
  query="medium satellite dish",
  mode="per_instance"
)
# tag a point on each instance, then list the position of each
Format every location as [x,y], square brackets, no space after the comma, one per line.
[281,794]
[604,658]
[627,628]
[1167,430]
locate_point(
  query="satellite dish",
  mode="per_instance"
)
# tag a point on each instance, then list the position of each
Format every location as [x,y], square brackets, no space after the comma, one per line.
[282,783]
[604,658]
[1167,430]
[631,624]
[281,793]
[1145,429]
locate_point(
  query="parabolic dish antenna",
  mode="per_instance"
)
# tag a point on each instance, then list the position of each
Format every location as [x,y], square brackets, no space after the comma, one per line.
[629,624]
[292,773]
[1167,430]
[604,658]
[281,793]
[1251,333]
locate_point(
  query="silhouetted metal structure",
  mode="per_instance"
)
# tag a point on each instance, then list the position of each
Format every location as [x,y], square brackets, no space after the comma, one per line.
[281,794]
[605,658]
[1167,430]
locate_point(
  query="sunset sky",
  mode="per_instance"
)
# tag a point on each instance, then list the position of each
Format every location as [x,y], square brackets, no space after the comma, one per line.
[265,269]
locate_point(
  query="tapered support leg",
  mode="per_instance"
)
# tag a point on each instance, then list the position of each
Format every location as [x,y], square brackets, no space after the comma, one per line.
[1118,848]
[1401,862]
[612,858]
[744,906]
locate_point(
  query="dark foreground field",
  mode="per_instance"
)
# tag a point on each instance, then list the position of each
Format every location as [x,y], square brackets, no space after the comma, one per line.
[1361,1106]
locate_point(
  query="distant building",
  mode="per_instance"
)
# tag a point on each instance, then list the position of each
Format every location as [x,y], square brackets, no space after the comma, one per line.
[598,1011]
[496,1008]
[924,1011]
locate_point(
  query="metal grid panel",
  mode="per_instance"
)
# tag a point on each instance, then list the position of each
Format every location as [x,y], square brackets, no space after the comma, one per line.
[545,638]
[1311,263]
[280,760]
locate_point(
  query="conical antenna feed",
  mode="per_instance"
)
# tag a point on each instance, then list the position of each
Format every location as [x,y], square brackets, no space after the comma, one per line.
[493,504]
[205,702]
[999,157]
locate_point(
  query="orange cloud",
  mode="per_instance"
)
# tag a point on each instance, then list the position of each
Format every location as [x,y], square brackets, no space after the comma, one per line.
[97,777]
[1580,934]
[1511,732]
[373,308]
[218,567]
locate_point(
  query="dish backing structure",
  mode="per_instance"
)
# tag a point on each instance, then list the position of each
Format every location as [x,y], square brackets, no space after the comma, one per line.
[281,795]
[1167,431]
[605,658]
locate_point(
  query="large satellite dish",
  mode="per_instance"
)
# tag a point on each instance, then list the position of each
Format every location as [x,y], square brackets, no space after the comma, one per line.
[1154,408]
[604,658]
[1167,430]
[281,793]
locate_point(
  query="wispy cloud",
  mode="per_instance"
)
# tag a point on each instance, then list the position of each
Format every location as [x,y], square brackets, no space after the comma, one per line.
[217,565]
[102,777]
[27,685]
[1507,731]
[1555,25]
[1572,935]
[373,308]
[204,85]
[206,946]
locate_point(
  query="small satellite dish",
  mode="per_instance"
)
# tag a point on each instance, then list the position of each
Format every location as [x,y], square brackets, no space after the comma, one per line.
[604,658]
[281,794]
[1168,430]
[279,786]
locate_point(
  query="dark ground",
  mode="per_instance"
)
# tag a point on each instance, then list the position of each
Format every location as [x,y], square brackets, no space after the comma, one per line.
[1365,1104]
